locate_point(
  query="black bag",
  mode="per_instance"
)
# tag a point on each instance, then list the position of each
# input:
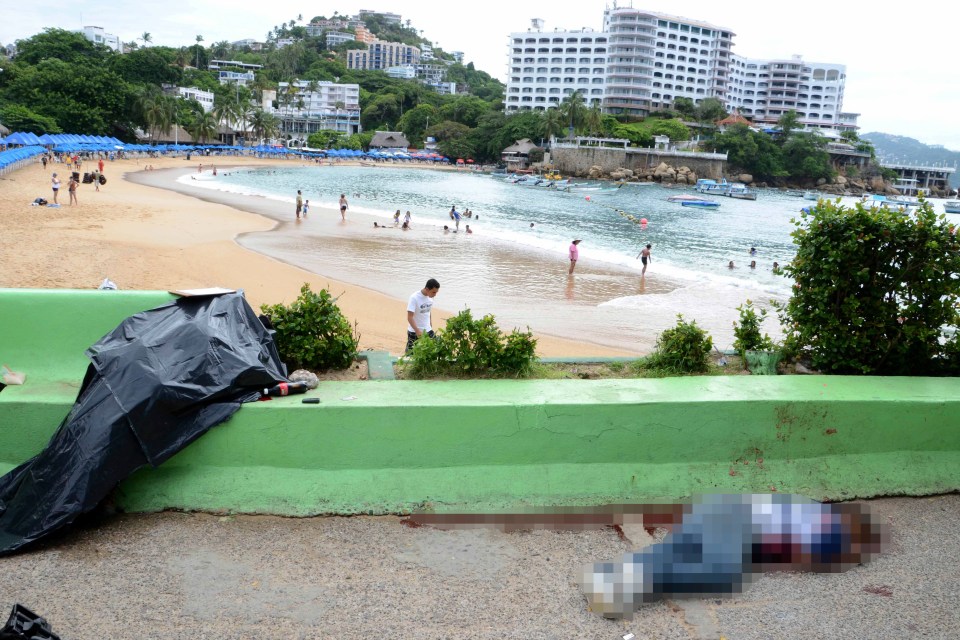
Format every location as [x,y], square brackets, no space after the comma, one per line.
[26,625]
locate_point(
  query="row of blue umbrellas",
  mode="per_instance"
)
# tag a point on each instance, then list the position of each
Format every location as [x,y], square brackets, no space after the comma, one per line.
[12,156]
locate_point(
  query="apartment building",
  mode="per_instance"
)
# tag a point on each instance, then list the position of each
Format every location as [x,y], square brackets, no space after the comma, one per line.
[337,37]
[307,107]
[382,55]
[545,67]
[97,35]
[234,71]
[655,58]
[765,89]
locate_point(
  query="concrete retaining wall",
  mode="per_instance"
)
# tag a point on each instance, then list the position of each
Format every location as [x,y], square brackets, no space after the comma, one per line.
[578,161]
[393,446]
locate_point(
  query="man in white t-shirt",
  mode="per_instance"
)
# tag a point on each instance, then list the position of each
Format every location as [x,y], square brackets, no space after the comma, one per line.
[418,312]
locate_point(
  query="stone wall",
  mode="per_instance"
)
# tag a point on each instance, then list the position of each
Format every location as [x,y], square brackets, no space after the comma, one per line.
[578,161]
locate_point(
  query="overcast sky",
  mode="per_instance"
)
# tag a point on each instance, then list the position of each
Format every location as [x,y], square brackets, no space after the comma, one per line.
[900,58]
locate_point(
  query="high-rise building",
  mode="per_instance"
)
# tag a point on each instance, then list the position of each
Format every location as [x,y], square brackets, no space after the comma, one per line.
[547,66]
[765,89]
[655,58]
[382,55]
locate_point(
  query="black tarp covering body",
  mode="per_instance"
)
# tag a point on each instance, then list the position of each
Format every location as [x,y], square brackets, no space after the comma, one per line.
[157,382]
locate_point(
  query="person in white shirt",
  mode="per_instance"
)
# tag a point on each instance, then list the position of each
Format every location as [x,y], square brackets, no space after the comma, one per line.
[418,312]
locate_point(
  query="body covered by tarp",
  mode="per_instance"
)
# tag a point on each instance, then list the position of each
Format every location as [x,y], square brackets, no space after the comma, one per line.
[157,382]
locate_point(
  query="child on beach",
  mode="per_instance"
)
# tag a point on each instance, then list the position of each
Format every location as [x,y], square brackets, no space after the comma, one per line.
[343,207]
[396,218]
[406,220]
[306,207]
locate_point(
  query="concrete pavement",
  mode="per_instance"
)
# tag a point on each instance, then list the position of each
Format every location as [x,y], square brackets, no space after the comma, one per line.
[182,575]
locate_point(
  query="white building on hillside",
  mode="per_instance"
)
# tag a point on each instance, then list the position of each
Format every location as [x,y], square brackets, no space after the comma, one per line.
[655,58]
[307,107]
[234,71]
[765,89]
[546,66]
[205,98]
[382,55]
[403,72]
[338,37]
[97,35]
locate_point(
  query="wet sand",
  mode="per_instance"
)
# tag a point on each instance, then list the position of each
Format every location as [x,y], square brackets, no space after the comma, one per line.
[159,238]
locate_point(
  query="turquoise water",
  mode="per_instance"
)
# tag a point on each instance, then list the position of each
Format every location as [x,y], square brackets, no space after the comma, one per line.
[519,273]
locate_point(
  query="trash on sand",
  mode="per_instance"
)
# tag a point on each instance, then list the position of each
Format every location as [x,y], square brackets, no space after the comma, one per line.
[349,398]
[24,624]
[13,377]
[156,383]
[108,285]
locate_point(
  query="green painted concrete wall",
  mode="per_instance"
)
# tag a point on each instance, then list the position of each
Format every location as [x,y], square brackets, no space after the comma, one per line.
[393,446]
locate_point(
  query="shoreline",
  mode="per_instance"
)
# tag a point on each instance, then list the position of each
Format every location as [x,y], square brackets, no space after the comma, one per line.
[150,236]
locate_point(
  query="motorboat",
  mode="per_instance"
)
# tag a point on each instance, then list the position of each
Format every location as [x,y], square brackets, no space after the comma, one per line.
[687,198]
[705,185]
[794,193]
[741,191]
[951,206]
[811,195]
[704,204]
[903,201]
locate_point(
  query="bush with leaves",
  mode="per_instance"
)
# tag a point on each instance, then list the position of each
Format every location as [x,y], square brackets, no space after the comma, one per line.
[684,348]
[312,333]
[874,290]
[746,333]
[469,347]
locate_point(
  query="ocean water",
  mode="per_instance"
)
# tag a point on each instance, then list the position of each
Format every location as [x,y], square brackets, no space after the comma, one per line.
[519,273]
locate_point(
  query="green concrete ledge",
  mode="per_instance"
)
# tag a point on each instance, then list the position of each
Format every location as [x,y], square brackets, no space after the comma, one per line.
[394,446]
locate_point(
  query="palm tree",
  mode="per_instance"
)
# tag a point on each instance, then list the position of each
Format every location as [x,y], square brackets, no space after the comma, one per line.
[551,123]
[181,59]
[593,120]
[146,38]
[265,125]
[574,110]
[204,127]
[199,40]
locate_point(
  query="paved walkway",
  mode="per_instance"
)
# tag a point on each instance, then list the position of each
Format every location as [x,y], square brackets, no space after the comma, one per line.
[177,575]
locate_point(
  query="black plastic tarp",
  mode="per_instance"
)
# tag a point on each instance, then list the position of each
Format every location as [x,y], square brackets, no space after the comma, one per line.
[157,382]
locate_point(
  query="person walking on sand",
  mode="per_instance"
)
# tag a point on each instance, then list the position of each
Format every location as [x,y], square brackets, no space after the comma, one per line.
[55,185]
[574,255]
[645,257]
[343,207]
[299,203]
[418,312]
[72,188]
[100,165]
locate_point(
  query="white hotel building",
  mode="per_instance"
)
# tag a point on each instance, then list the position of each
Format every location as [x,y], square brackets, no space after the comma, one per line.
[545,67]
[764,90]
[643,61]
[326,105]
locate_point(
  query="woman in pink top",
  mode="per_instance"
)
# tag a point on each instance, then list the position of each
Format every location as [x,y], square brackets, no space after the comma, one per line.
[574,254]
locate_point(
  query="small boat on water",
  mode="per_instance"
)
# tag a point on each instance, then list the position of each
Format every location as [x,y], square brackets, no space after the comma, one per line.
[951,206]
[811,195]
[903,201]
[703,204]
[741,192]
[705,185]
[794,193]
[687,198]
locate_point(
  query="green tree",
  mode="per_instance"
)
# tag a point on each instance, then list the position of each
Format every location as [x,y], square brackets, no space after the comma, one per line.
[62,45]
[788,123]
[416,121]
[199,51]
[753,152]
[574,111]
[154,66]
[17,117]
[551,124]
[146,38]
[709,110]
[686,108]
[464,109]
[874,290]
[204,128]
[805,156]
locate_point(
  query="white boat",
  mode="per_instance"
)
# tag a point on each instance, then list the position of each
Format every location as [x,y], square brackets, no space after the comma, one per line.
[811,195]
[686,198]
[741,191]
[705,185]
[951,206]
[903,201]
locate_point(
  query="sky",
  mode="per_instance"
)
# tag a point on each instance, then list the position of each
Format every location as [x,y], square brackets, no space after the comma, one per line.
[900,77]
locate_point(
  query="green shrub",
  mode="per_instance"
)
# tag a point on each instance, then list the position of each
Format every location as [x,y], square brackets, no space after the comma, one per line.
[747,336]
[467,347]
[684,348]
[312,333]
[873,290]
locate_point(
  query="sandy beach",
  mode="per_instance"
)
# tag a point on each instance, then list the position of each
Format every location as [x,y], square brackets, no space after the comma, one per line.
[145,237]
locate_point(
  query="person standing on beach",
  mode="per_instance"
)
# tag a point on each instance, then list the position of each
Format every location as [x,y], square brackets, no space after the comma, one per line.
[343,207]
[645,256]
[406,220]
[100,165]
[574,255]
[299,203]
[418,312]
[72,188]
[306,207]
[55,185]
